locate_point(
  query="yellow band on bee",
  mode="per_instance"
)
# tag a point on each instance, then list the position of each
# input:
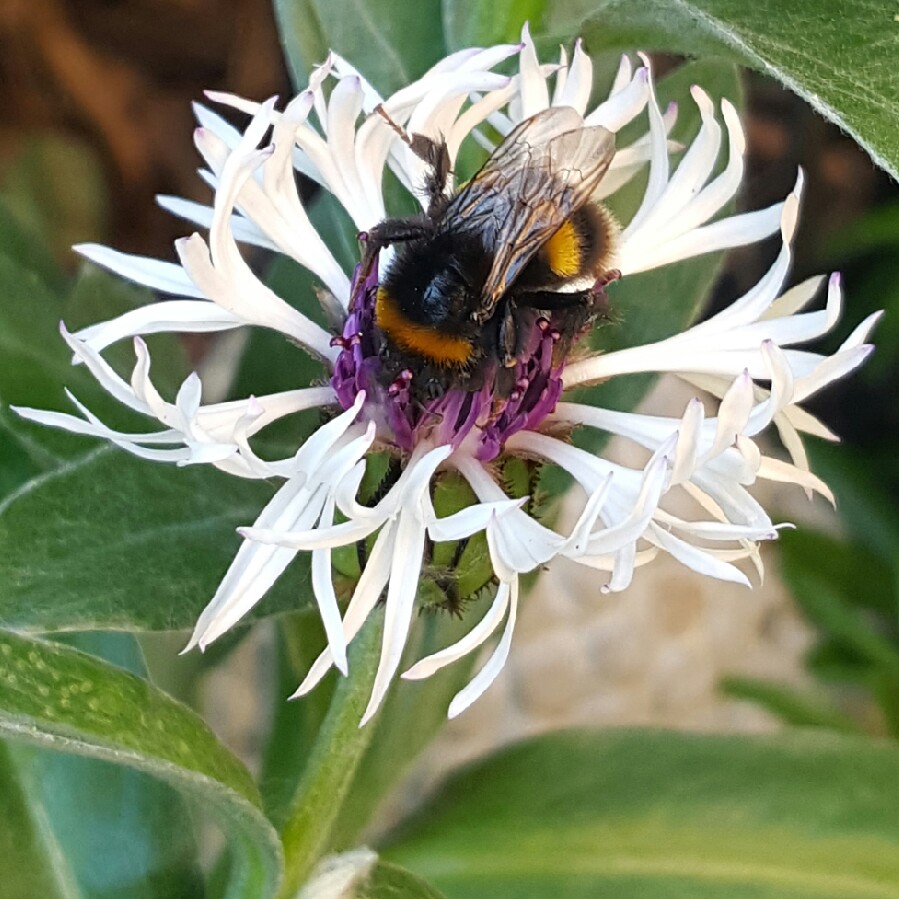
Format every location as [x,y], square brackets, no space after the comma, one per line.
[414,337]
[563,252]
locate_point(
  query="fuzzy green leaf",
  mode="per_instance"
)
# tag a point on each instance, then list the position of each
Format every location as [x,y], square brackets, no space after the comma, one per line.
[93,828]
[112,542]
[837,56]
[673,816]
[58,698]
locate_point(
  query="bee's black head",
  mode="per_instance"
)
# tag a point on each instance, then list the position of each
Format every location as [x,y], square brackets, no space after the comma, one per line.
[436,282]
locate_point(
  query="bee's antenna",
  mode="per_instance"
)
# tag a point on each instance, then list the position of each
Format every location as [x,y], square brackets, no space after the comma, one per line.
[433,152]
[404,135]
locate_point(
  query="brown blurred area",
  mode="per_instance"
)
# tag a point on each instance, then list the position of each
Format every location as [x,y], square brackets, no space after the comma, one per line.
[116,78]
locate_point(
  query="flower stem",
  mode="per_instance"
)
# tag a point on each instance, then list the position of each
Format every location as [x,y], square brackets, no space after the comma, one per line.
[331,767]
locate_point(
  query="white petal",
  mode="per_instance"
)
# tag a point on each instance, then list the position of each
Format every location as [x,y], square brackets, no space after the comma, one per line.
[471,641]
[365,597]
[243,230]
[470,520]
[579,81]
[256,567]
[164,276]
[323,588]
[696,559]
[487,675]
[401,592]
[534,92]
[191,316]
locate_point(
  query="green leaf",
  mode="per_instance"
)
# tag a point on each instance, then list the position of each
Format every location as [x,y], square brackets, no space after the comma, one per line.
[830,53]
[866,509]
[302,37]
[634,814]
[877,229]
[113,542]
[107,830]
[89,533]
[392,882]
[839,620]
[102,829]
[32,868]
[23,459]
[58,698]
[19,241]
[473,23]
[380,38]
[35,362]
[851,569]
[790,705]
[57,186]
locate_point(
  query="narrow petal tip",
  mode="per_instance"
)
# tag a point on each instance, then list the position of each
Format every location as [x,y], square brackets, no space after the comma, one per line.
[702,100]
[789,218]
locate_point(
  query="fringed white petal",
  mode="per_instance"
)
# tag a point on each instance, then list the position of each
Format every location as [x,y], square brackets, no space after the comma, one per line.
[475,638]
[488,674]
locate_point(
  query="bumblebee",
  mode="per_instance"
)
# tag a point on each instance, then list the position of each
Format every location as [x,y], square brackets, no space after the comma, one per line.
[522,238]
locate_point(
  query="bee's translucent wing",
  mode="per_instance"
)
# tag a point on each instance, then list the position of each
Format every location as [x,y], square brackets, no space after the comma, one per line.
[545,170]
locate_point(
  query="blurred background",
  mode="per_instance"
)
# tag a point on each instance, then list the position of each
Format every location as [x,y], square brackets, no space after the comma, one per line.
[97,120]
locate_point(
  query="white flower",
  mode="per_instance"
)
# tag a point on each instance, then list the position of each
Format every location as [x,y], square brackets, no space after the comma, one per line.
[337,138]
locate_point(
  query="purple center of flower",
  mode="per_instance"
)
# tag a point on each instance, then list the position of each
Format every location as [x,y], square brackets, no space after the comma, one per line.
[404,417]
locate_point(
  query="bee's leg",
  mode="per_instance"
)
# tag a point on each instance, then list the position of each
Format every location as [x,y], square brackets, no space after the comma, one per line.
[550,301]
[593,298]
[571,313]
[507,333]
[399,230]
[388,232]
